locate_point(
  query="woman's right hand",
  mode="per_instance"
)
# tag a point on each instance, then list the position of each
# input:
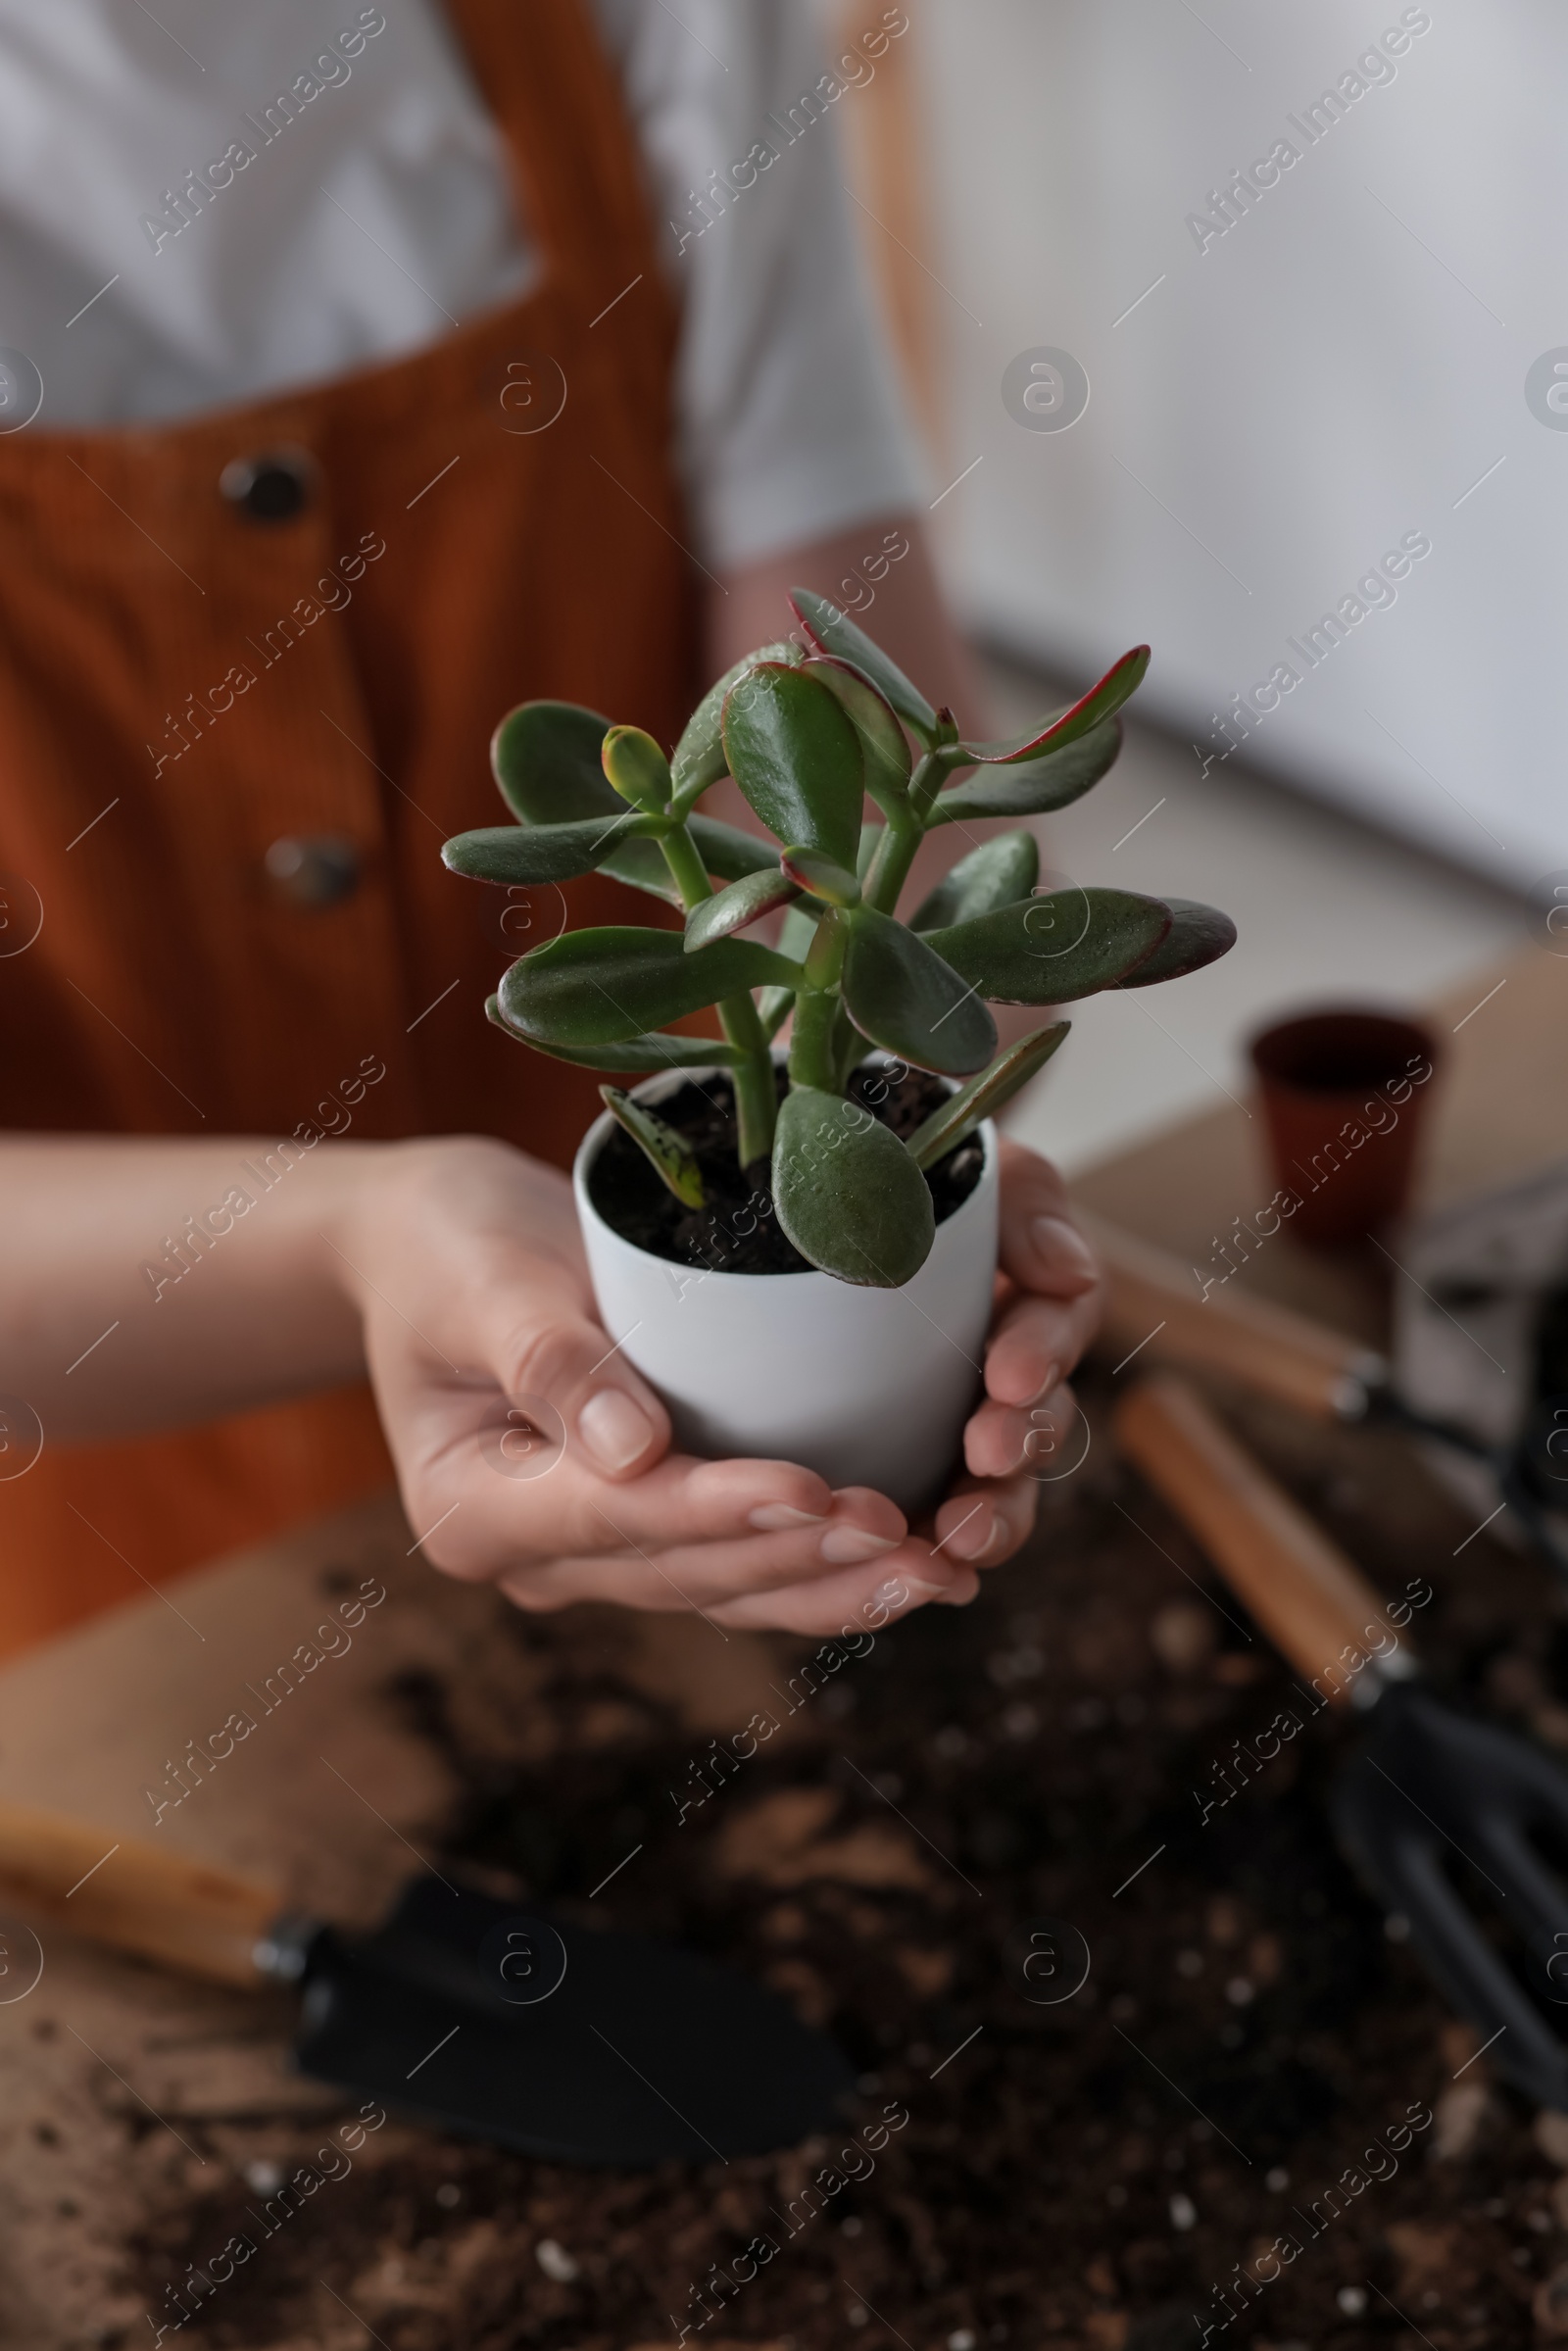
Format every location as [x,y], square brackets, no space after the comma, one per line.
[530,1453]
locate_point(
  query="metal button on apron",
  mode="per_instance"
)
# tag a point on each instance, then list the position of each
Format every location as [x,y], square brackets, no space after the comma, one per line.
[272,486]
[314,869]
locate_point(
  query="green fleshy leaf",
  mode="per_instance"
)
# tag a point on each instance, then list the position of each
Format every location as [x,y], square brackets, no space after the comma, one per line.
[668,1155]
[871,843]
[825,961]
[904,997]
[599,987]
[836,633]
[728,852]
[539,853]
[1056,948]
[998,873]
[984,1095]
[640,1057]
[1101,702]
[699,761]
[846,1192]
[1197,935]
[1037,786]
[884,744]
[743,902]
[545,758]
[797,759]
[641,865]
[823,877]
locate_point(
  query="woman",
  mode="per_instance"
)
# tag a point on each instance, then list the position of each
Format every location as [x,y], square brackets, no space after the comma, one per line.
[371,404]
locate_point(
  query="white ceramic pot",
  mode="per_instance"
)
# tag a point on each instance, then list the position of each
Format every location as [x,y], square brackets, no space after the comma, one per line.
[867,1387]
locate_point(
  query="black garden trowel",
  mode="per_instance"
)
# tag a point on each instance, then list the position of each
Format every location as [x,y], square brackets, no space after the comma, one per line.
[477,2015]
[1456,1827]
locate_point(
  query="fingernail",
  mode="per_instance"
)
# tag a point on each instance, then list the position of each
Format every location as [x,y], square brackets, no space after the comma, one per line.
[931,1592]
[771,1518]
[846,1547]
[1048,1423]
[959,1595]
[1064,1247]
[973,1536]
[615,1430]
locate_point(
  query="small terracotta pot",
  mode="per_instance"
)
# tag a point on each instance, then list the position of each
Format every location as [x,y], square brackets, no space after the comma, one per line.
[1343,1094]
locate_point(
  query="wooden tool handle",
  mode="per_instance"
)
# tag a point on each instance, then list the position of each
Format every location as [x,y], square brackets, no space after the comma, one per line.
[135,1897]
[1155,1305]
[1308,1598]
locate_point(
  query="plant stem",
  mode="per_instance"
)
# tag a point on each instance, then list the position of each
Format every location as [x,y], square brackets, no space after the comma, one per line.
[928,779]
[848,1048]
[904,834]
[890,868]
[756,1095]
[684,860]
[907,829]
[812,1061]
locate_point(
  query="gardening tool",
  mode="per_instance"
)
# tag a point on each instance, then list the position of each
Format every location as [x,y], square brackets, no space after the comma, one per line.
[465,2011]
[1316,1371]
[1437,1811]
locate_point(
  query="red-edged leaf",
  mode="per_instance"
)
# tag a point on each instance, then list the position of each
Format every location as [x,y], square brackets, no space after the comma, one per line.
[1119,685]
[745,900]
[1197,935]
[823,877]
[1055,948]
[699,757]
[1037,786]
[884,744]
[834,632]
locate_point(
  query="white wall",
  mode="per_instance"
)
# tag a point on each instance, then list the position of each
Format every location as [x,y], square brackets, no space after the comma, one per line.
[1322,380]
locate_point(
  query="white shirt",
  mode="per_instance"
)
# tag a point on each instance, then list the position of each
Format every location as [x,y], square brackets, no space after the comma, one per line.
[379,213]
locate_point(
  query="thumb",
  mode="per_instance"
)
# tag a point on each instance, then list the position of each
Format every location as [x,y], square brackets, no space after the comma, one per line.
[563,1372]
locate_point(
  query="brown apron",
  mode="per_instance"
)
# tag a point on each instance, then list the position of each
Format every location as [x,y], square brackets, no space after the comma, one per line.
[232,683]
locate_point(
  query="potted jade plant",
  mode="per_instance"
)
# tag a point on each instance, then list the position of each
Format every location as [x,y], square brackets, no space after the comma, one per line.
[798,1250]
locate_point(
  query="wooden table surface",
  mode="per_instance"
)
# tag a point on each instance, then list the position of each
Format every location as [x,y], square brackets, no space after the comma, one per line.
[332,1797]
[105,2065]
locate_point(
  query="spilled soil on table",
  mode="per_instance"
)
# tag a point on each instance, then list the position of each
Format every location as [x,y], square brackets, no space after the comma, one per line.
[1081,2172]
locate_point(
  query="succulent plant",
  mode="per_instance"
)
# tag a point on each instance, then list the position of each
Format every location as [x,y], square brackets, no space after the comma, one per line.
[809,730]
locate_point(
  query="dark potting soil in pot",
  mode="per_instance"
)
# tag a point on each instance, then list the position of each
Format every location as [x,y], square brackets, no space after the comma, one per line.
[737,1231]
[1077,2177]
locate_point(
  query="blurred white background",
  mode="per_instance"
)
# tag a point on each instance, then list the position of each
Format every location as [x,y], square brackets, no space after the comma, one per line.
[1268,417]
[1343,366]
[1325,910]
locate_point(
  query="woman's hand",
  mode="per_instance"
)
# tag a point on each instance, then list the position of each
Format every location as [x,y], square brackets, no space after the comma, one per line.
[1049,1297]
[530,1453]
